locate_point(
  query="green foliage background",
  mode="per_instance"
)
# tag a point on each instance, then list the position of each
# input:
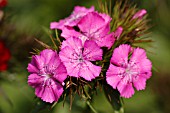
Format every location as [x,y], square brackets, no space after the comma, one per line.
[25,20]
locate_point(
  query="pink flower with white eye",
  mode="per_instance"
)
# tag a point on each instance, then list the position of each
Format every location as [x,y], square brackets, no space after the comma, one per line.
[93,26]
[77,58]
[126,73]
[73,19]
[140,14]
[47,75]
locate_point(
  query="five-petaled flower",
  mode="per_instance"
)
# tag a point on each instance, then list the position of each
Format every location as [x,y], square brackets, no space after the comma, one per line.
[47,75]
[125,73]
[93,26]
[77,58]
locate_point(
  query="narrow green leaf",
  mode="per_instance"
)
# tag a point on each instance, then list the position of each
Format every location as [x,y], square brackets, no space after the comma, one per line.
[113,97]
[5,96]
[42,44]
[91,107]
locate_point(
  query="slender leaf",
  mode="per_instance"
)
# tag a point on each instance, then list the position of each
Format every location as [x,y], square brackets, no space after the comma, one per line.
[113,97]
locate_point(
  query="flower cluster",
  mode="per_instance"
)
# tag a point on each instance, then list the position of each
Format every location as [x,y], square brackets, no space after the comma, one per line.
[89,49]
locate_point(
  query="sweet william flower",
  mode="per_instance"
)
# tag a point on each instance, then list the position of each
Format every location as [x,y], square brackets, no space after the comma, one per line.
[125,73]
[77,58]
[47,74]
[93,26]
[73,19]
[4,57]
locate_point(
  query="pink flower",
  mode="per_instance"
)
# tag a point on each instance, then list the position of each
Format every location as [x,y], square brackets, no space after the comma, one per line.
[47,75]
[140,14]
[76,56]
[93,26]
[126,73]
[73,19]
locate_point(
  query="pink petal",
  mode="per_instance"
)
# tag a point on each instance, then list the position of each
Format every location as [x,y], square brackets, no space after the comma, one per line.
[102,38]
[73,19]
[91,22]
[50,93]
[58,25]
[32,67]
[106,17]
[54,62]
[139,58]
[58,90]
[120,55]
[39,90]
[39,61]
[140,14]
[81,9]
[102,32]
[88,71]
[92,51]
[106,41]
[68,32]
[54,25]
[35,80]
[113,75]
[59,70]
[113,81]
[140,83]
[72,69]
[126,90]
[66,56]
[73,42]
[61,73]
[47,55]
[138,55]
[145,68]
[77,14]
[115,71]
[118,32]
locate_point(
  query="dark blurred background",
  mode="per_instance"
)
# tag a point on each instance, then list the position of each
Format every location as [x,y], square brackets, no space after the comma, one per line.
[26,19]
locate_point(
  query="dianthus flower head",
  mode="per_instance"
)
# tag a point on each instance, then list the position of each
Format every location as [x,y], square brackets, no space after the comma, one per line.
[126,73]
[47,74]
[73,19]
[4,56]
[77,58]
[93,26]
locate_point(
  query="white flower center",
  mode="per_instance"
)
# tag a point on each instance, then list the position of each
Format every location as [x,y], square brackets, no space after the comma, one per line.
[131,73]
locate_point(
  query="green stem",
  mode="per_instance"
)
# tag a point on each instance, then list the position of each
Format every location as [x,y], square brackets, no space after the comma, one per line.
[58,39]
[91,107]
